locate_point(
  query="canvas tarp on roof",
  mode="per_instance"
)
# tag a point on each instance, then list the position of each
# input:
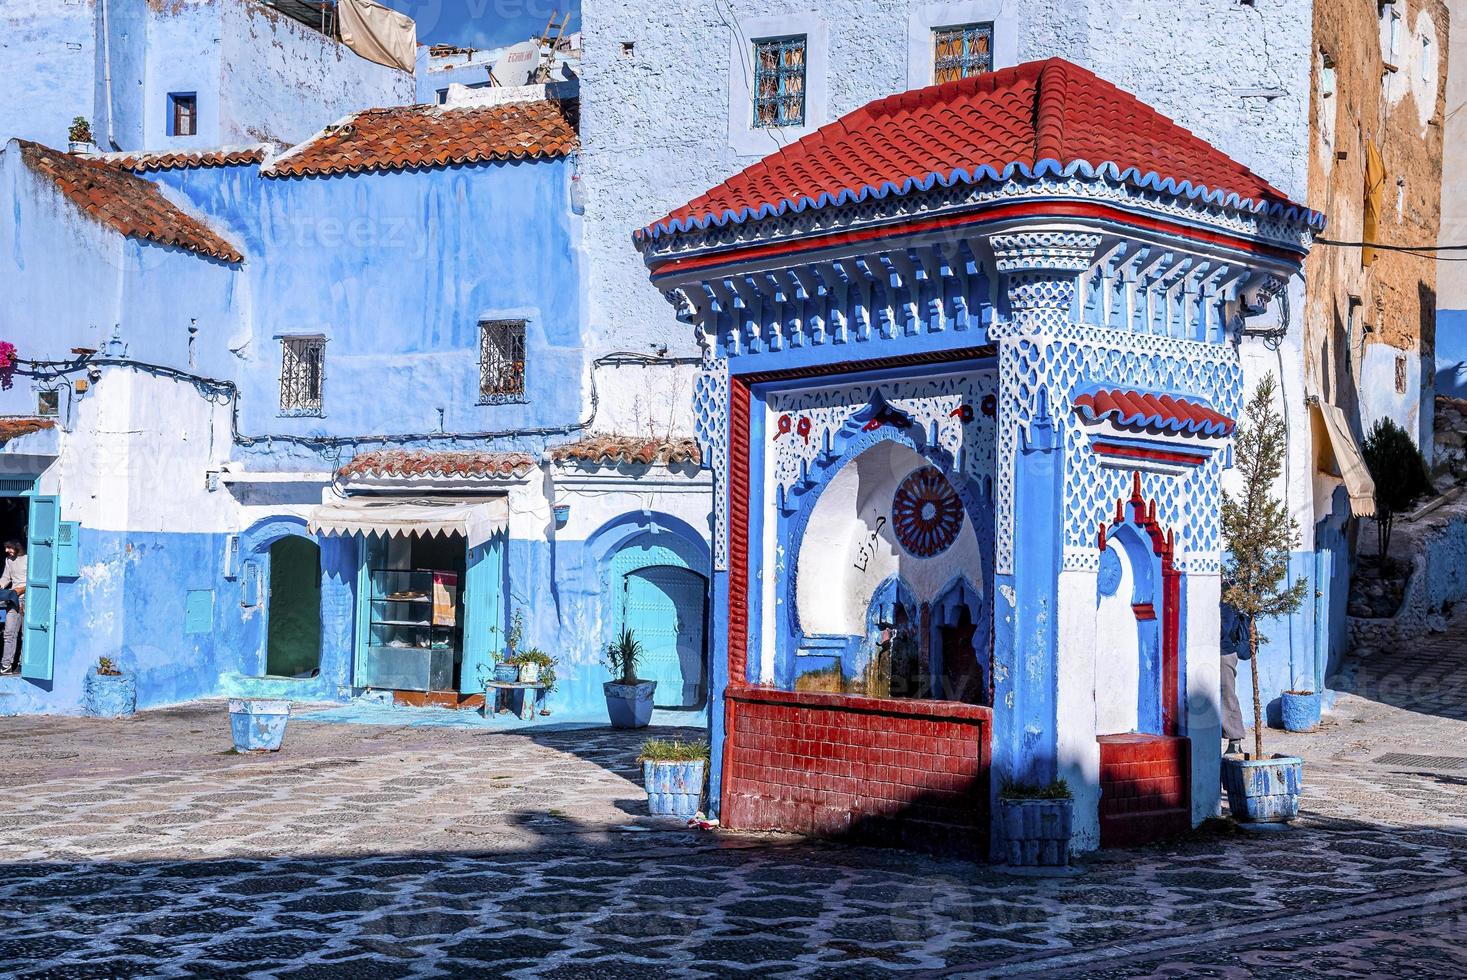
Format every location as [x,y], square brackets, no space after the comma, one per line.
[378,33]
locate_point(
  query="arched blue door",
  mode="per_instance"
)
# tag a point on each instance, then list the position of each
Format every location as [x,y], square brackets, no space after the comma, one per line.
[664,605]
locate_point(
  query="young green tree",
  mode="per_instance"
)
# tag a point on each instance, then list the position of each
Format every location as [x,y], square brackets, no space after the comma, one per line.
[1258,532]
[1399,472]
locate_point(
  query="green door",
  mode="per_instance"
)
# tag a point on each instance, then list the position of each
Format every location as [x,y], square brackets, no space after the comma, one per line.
[294,631]
[38,646]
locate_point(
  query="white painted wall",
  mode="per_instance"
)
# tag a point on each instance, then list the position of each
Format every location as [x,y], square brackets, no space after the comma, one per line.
[1117,656]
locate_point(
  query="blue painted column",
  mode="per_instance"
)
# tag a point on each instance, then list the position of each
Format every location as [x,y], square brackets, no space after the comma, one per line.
[1040,273]
[1030,734]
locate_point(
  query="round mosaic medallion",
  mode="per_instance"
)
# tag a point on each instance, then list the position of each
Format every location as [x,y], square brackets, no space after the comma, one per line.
[926,513]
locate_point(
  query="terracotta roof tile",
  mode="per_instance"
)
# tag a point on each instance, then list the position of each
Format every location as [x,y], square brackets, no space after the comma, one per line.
[1041,117]
[229,156]
[629,449]
[14,427]
[125,202]
[1153,411]
[410,137]
[416,462]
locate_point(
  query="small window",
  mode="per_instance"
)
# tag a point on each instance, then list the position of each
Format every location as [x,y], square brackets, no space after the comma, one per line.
[1400,374]
[184,113]
[302,364]
[779,82]
[959,52]
[501,361]
[48,403]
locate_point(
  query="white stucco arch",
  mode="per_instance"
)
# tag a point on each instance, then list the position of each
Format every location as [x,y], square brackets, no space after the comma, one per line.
[849,546]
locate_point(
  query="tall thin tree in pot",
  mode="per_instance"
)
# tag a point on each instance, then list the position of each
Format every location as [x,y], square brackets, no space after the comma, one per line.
[1259,533]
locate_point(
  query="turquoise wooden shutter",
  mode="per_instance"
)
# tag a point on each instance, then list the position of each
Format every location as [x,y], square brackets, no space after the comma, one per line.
[38,650]
[68,563]
[484,618]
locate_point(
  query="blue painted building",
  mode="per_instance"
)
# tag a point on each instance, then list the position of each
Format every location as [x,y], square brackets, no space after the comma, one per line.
[971,371]
[326,421]
[180,76]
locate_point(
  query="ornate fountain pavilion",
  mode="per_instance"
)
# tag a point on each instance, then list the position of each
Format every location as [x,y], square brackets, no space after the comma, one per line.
[971,376]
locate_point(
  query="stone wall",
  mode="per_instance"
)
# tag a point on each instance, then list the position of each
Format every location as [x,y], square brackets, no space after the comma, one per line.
[1437,542]
[1375,83]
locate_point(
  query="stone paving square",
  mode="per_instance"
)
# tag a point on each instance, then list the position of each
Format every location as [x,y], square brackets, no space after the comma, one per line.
[145,847]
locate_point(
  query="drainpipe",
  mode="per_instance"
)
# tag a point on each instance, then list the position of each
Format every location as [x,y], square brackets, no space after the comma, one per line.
[107,74]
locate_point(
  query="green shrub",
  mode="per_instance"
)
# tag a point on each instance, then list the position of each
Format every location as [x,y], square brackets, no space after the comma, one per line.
[1400,475]
[534,656]
[673,750]
[1057,790]
[623,657]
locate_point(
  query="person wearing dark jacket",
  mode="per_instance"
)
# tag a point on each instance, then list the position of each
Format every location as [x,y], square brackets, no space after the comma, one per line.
[1234,641]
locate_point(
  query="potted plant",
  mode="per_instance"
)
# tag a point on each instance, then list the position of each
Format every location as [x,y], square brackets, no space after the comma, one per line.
[535,666]
[109,692]
[672,773]
[80,135]
[258,724]
[1301,710]
[1259,534]
[628,700]
[1037,822]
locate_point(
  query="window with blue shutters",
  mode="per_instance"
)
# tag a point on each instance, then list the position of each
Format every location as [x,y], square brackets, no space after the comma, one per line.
[779,82]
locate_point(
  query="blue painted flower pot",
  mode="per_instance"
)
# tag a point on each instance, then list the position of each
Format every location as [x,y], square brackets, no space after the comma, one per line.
[506,673]
[1301,711]
[258,725]
[629,705]
[1263,790]
[109,695]
[1037,832]
[674,789]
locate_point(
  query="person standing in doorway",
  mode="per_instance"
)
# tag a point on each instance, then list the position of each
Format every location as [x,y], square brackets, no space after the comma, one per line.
[1234,641]
[13,578]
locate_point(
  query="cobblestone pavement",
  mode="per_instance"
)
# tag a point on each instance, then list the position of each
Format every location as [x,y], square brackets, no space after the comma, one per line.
[144,847]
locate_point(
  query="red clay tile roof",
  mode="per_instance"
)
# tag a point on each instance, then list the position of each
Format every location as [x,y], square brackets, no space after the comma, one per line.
[410,137]
[125,202]
[629,449]
[1042,117]
[14,427]
[1153,411]
[229,156]
[417,462]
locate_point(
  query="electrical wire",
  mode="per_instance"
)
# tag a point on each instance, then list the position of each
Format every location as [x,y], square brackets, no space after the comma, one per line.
[1425,251]
[219,390]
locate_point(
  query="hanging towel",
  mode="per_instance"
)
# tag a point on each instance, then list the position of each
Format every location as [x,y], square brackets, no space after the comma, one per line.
[445,598]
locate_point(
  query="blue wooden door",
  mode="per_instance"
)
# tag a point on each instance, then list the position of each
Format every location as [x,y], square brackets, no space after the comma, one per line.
[664,606]
[38,644]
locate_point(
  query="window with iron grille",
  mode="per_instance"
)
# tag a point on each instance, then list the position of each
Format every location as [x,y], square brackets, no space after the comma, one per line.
[961,51]
[501,361]
[302,364]
[779,82]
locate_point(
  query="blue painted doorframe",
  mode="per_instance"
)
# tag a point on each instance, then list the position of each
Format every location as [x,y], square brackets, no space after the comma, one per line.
[664,601]
[665,606]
